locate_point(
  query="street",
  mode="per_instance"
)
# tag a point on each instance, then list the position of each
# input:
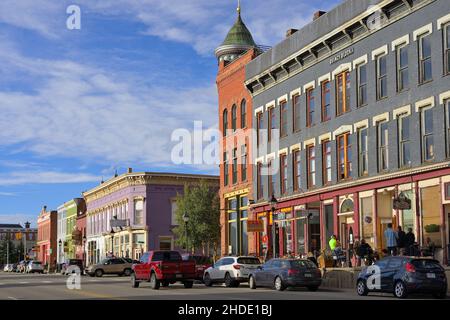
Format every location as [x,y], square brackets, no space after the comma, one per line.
[14,286]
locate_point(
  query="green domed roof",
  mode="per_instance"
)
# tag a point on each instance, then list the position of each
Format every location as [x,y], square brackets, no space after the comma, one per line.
[239,34]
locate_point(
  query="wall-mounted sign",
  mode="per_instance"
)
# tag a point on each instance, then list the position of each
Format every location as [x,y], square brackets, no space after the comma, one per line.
[255,226]
[344,54]
[402,202]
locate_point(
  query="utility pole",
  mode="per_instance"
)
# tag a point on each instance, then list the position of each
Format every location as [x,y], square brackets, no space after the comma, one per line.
[7,251]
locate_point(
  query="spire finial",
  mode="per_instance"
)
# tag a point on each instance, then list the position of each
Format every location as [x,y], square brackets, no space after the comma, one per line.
[239,7]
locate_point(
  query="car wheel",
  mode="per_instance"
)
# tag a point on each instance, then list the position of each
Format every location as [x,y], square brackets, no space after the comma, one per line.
[361,288]
[99,273]
[400,290]
[228,280]
[207,280]
[312,288]
[127,272]
[278,284]
[188,284]
[165,283]
[154,282]
[252,282]
[134,282]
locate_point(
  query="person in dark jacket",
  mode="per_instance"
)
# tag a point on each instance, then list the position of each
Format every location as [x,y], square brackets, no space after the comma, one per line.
[401,240]
[410,239]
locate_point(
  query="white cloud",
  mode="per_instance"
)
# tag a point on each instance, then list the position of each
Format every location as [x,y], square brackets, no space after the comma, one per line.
[7,194]
[45,177]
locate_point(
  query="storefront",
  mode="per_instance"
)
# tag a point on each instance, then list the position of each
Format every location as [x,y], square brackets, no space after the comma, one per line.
[237,215]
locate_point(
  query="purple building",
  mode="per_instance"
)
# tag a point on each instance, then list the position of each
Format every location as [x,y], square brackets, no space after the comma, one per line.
[144,203]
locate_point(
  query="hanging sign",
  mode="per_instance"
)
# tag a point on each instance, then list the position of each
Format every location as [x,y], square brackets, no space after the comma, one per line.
[402,202]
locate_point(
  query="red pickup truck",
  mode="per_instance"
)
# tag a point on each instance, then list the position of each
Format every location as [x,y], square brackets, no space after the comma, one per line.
[163,268]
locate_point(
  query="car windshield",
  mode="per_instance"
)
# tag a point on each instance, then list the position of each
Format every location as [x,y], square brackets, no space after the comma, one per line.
[248,260]
[36,262]
[302,264]
[426,264]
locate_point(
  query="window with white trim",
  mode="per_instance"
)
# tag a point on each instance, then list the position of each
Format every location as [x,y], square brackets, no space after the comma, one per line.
[425,66]
[446,35]
[381,71]
[361,75]
[382,146]
[402,67]
[426,128]
[363,155]
[404,145]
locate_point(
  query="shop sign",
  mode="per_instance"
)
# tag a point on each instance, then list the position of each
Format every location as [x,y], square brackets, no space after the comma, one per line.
[255,226]
[402,202]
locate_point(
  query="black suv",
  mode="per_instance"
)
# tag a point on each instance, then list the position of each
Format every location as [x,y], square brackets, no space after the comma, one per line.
[402,276]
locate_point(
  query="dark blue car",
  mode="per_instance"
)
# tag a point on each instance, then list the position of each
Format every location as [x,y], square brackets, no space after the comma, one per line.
[283,273]
[402,276]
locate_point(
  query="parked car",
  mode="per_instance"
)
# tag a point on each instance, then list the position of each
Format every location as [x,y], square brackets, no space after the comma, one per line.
[163,268]
[201,264]
[404,275]
[230,270]
[35,266]
[283,273]
[130,260]
[5,268]
[8,267]
[117,266]
[72,262]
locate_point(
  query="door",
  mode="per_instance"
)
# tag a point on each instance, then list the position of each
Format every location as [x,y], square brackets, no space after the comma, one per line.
[261,274]
[382,226]
[393,266]
[226,266]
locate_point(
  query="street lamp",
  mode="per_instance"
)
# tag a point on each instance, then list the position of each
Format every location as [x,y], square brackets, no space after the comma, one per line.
[112,240]
[273,203]
[186,219]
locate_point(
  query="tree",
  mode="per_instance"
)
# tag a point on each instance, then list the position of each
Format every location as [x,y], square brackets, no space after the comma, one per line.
[4,247]
[201,204]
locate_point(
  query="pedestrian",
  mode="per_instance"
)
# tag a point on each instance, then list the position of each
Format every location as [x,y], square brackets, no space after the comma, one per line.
[401,243]
[332,242]
[410,238]
[365,253]
[356,252]
[391,240]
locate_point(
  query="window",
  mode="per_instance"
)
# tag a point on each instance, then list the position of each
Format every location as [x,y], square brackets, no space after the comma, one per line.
[139,212]
[381,68]
[296,169]
[427,134]
[259,182]
[234,166]
[284,119]
[165,243]
[310,107]
[283,173]
[296,112]
[362,85]
[446,31]
[326,97]
[244,162]
[447,127]
[259,127]
[271,180]
[425,68]
[363,157]
[383,156]
[447,190]
[402,68]
[311,166]
[225,122]
[225,168]
[271,122]
[404,137]
[243,114]
[234,117]
[232,226]
[342,93]
[326,161]
[344,156]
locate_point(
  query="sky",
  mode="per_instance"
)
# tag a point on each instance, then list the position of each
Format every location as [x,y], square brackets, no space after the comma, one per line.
[78,105]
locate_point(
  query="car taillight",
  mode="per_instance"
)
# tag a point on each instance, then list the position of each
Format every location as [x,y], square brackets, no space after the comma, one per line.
[292,272]
[410,267]
[236,266]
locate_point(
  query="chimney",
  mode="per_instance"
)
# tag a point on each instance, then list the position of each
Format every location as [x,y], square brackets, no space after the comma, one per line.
[318,14]
[27,225]
[44,209]
[130,170]
[290,32]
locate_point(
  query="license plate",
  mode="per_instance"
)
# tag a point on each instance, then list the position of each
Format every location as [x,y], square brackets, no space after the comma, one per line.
[179,276]
[308,275]
[431,275]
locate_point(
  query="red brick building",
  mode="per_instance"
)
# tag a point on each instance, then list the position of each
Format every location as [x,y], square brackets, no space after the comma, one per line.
[46,241]
[79,235]
[235,118]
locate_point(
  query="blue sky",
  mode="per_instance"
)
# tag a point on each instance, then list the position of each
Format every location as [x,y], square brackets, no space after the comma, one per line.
[76,105]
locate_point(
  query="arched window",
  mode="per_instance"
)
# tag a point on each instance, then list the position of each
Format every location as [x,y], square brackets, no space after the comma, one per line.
[243,113]
[225,122]
[234,117]
[347,206]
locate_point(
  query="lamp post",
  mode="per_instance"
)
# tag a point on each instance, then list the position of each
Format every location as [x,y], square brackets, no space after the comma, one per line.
[59,254]
[186,219]
[273,203]
[112,240]
[84,250]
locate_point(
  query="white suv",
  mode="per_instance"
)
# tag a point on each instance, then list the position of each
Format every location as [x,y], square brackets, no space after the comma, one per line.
[230,270]
[34,266]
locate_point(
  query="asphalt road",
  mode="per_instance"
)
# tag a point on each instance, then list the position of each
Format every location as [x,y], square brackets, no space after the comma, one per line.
[16,286]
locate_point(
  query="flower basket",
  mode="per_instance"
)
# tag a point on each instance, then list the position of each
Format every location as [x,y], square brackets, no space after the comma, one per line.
[432,228]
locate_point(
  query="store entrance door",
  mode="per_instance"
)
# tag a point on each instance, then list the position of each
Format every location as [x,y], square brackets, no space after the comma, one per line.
[382,226]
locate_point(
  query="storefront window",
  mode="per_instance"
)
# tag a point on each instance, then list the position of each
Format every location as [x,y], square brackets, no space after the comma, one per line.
[329,221]
[431,214]
[408,215]
[243,231]
[367,220]
[300,233]
[262,235]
